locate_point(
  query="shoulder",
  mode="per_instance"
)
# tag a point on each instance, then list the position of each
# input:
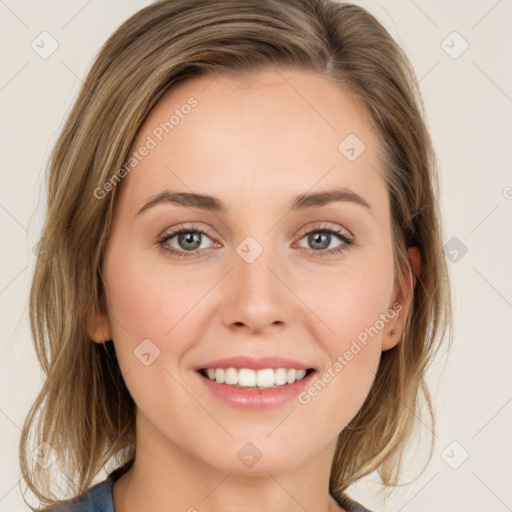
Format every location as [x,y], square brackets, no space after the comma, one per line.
[97,499]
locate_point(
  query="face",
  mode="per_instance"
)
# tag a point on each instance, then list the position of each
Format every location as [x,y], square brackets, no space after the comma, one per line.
[258,272]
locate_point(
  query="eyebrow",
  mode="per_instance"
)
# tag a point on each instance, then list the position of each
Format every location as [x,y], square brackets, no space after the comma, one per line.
[298,203]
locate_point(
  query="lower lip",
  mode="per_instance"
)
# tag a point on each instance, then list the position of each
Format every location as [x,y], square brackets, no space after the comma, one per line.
[257,398]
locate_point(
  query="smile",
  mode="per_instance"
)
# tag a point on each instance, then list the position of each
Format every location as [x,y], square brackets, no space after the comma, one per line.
[254,379]
[256,390]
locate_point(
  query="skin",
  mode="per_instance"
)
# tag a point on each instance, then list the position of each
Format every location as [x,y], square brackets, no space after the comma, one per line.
[254,144]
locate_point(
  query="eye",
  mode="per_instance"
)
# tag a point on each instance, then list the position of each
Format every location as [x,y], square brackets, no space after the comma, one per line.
[189,241]
[321,238]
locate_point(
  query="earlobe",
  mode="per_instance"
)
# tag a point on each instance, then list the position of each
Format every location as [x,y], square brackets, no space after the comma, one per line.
[99,327]
[394,329]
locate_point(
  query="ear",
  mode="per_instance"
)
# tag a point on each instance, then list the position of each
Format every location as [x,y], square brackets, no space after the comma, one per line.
[395,327]
[98,324]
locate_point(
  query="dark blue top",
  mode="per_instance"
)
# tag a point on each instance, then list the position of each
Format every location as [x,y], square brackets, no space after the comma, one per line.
[99,498]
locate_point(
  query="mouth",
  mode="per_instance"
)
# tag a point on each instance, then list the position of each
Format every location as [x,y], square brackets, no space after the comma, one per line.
[248,378]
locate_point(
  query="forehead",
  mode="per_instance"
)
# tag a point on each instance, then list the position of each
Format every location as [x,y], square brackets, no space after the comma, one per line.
[272,129]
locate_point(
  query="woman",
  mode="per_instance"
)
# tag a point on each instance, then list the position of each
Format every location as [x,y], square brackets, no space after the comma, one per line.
[243,281]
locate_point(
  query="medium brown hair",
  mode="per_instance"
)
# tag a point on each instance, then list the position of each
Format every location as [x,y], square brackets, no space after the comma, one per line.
[84,410]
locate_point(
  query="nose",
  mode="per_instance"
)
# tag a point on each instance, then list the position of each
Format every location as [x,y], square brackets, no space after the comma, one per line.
[257,298]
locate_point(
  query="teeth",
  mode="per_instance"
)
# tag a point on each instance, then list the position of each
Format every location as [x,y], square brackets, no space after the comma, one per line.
[290,375]
[248,378]
[280,376]
[231,376]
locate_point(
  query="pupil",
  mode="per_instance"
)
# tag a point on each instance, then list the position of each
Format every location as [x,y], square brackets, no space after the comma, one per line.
[190,238]
[315,239]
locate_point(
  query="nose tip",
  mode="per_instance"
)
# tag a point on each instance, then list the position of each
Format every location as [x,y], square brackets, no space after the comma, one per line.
[255,298]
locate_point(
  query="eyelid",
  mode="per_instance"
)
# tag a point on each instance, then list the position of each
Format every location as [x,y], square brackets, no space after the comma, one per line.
[323,225]
[173,231]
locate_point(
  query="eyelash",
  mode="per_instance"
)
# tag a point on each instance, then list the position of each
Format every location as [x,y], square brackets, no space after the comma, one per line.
[347,241]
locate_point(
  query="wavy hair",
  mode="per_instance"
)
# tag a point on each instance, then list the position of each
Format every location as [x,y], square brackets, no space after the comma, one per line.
[84,410]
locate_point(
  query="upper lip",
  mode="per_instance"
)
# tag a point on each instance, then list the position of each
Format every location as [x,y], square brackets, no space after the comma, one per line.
[255,363]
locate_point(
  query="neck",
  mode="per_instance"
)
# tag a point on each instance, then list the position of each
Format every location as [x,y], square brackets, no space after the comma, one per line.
[170,479]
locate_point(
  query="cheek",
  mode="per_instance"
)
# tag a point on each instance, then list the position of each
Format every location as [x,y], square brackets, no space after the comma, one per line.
[147,300]
[151,311]
[352,302]
[354,314]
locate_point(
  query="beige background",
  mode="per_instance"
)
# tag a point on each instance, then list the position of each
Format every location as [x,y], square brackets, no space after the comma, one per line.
[469,104]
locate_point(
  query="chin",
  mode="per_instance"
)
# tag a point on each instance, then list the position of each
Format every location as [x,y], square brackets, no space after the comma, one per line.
[258,456]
